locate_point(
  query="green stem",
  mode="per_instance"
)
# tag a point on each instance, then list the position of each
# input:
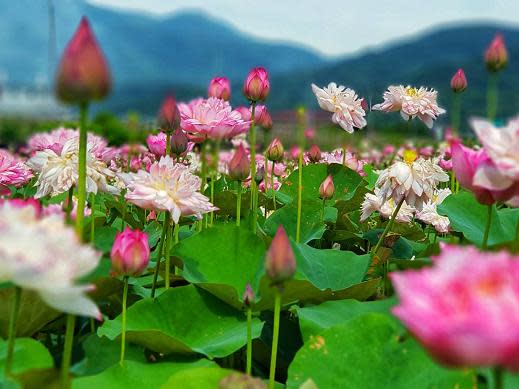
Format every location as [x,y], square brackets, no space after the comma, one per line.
[299,196]
[272,184]
[123,320]
[70,205]
[15,310]
[67,351]
[159,254]
[92,216]
[123,215]
[388,226]
[484,245]
[238,205]
[249,341]
[456,113]
[168,143]
[176,230]
[253,185]
[216,155]
[275,338]
[167,257]
[81,184]
[498,375]
[492,97]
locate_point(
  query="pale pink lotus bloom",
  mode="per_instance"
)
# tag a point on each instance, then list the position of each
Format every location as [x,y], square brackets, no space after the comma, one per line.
[168,187]
[211,118]
[429,212]
[411,102]
[344,103]
[374,202]
[42,254]
[465,308]
[13,172]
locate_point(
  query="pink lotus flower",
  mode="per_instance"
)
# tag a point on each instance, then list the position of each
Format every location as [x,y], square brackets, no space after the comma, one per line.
[245,112]
[220,87]
[167,187]
[476,172]
[13,172]
[464,309]
[257,85]
[496,55]
[169,116]
[459,81]
[239,165]
[314,153]
[212,118]
[327,189]
[280,261]
[83,73]
[130,252]
[411,102]
[157,144]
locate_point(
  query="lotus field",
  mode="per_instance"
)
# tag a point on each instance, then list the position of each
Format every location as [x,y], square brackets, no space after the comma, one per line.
[213,257]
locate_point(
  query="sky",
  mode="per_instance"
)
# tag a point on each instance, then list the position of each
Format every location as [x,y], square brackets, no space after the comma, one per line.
[334,27]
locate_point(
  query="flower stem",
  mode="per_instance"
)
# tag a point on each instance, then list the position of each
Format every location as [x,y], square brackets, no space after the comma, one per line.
[167,256]
[275,338]
[498,374]
[70,204]
[81,184]
[123,320]
[67,351]
[216,156]
[492,97]
[253,185]
[159,254]
[299,196]
[249,341]
[456,113]
[484,245]
[238,205]
[272,184]
[15,310]
[168,143]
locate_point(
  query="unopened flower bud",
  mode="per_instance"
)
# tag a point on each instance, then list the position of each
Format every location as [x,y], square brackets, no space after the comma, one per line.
[248,296]
[130,252]
[496,55]
[459,81]
[179,141]
[257,86]
[262,117]
[280,262]
[327,189]
[83,73]
[239,165]
[275,150]
[314,153]
[219,87]
[169,115]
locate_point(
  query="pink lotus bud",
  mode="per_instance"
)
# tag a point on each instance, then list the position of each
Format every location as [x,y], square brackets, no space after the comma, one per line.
[130,252]
[239,165]
[314,153]
[179,142]
[244,112]
[310,133]
[327,189]
[169,115]
[459,81]
[257,86]
[262,117]
[496,55]
[364,104]
[280,262]
[83,73]
[275,150]
[219,87]
[248,296]
[294,152]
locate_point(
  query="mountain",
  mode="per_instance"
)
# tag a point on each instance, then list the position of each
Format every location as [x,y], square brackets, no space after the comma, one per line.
[185,48]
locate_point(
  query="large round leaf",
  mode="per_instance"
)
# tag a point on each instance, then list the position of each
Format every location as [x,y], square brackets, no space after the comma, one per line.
[203,377]
[184,320]
[370,351]
[137,375]
[28,354]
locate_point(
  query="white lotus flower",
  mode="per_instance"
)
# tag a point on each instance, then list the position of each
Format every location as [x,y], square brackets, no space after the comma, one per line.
[168,187]
[343,103]
[375,203]
[429,213]
[59,172]
[44,255]
[411,102]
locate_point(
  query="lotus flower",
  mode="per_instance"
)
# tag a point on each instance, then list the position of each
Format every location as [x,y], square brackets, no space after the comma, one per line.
[459,81]
[496,55]
[280,261]
[465,309]
[13,172]
[130,252]
[220,87]
[256,86]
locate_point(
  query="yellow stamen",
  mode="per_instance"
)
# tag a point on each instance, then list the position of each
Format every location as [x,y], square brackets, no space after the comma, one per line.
[410,91]
[410,156]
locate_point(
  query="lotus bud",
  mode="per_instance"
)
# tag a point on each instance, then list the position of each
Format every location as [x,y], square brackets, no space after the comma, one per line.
[459,81]
[239,165]
[364,104]
[179,142]
[275,150]
[219,87]
[310,133]
[248,296]
[327,189]
[257,86]
[314,153]
[280,262]
[244,112]
[496,55]
[83,73]
[262,117]
[169,115]
[260,174]
[130,252]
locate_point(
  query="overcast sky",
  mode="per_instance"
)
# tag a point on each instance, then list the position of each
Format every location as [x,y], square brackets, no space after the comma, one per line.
[335,27]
